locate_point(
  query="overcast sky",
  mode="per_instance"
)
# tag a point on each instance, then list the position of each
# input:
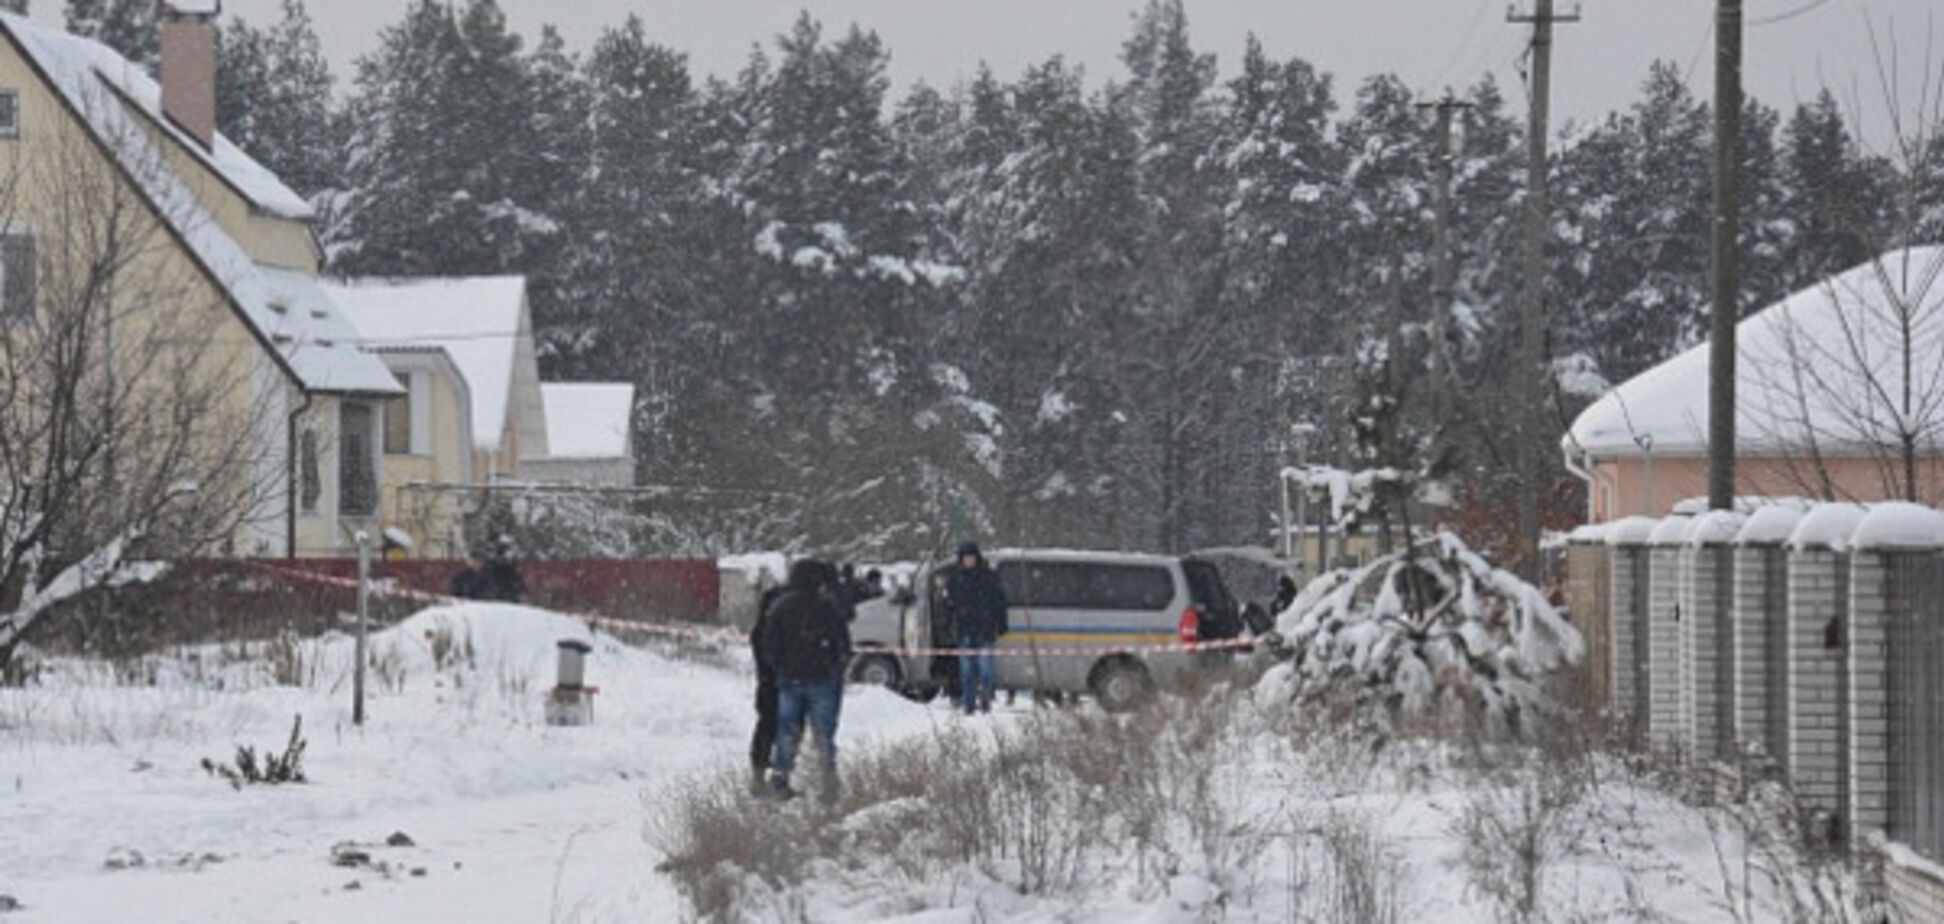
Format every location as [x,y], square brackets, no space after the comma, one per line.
[1599,62]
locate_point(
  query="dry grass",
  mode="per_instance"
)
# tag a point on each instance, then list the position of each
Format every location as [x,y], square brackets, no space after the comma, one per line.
[1048,807]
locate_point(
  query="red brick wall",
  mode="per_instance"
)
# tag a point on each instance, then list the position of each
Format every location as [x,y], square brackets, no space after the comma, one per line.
[662,589]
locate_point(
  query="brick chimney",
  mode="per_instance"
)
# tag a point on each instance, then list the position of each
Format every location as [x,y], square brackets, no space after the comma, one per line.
[189,65]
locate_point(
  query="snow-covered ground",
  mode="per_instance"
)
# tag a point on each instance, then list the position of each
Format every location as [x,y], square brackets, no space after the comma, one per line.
[108,812]
[109,816]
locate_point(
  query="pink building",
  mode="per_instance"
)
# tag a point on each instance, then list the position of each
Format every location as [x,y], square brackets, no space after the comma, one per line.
[1839,396]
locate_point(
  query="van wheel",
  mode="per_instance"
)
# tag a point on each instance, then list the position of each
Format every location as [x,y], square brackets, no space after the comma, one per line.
[1121,685]
[876,671]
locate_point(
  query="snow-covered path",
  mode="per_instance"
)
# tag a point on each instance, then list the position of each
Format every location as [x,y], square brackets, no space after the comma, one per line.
[108,813]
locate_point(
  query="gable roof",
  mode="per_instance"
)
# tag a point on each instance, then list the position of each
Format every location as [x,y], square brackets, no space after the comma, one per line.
[479,322]
[1804,366]
[589,420]
[104,90]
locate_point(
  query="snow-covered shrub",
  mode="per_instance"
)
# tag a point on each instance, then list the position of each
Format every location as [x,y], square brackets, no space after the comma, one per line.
[1434,625]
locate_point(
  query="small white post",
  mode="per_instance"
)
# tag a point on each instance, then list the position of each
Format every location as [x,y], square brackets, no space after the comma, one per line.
[1282,480]
[364,610]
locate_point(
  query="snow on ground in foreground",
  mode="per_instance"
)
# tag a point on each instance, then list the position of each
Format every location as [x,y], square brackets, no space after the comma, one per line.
[109,817]
[512,820]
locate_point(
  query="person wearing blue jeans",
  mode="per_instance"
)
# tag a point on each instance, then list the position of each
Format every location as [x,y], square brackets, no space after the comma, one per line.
[820,703]
[979,602]
[805,643]
[975,676]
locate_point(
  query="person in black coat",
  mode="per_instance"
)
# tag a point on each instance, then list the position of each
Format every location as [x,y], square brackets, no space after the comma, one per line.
[1285,595]
[762,742]
[979,604]
[805,641]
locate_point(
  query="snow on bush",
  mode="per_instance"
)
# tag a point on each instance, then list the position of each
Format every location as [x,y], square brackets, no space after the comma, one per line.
[1432,626]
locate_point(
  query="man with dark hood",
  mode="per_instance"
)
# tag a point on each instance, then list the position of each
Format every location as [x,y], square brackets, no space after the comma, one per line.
[979,603]
[805,641]
[762,743]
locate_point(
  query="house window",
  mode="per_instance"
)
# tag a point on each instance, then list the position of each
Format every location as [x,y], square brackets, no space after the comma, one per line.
[357,464]
[9,114]
[398,425]
[311,487]
[17,268]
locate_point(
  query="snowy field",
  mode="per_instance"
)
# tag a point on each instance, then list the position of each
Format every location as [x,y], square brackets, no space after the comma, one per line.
[110,815]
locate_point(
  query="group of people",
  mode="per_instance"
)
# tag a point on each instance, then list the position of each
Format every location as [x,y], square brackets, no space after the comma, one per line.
[802,644]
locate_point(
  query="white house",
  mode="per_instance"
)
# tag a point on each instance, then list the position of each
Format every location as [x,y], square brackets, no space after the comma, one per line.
[590,435]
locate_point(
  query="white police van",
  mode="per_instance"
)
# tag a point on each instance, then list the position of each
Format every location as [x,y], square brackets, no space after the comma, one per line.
[1098,623]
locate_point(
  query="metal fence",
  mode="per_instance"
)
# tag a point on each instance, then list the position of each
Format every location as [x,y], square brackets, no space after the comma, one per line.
[1915,686]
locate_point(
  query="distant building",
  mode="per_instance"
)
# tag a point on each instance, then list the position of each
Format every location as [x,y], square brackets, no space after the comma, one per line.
[228,234]
[1831,384]
[590,435]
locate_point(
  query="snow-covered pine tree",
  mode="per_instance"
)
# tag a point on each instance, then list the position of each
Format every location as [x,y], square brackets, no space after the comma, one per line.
[274,100]
[127,26]
[1177,397]
[15,6]
[1835,196]
[1638,272]
[1767,228]
[636,303]
[443,122]
[407,202]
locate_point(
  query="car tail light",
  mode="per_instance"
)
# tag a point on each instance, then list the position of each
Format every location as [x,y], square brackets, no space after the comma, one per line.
[1190,626]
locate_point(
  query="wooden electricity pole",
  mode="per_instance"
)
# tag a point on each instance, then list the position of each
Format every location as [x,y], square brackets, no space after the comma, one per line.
[1725,257]
[1529,376]
[1442,287]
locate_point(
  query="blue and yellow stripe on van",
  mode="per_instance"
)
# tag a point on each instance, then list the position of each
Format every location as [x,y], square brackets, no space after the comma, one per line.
[1104,636]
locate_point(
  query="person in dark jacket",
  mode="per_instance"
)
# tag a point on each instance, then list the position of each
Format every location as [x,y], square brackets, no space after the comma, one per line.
[806,642]
[500,578]
[1285,595]
[762,743]
[979,605]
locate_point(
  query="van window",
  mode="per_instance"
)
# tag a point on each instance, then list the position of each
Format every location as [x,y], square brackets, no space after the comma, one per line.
[1205,587]
[1085,585]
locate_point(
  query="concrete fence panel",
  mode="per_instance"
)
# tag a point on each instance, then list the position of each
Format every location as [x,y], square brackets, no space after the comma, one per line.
[1707,652]
[1628,624]
[1665,578]
[1818,596]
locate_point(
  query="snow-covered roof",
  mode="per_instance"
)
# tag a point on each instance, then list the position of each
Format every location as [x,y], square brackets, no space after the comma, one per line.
[104,90]
[1899,525]
[1797,369]
[589,420]
[313,334]
[79,66]
[477,320]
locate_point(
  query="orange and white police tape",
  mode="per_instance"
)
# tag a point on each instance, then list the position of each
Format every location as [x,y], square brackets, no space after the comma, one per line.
[727,635]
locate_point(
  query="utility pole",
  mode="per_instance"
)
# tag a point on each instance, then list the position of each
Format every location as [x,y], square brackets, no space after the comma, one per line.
[1726,255]
[1530,388]
[1442,287]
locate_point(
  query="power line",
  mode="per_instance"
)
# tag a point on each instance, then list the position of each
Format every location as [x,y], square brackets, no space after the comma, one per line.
[1787,15]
